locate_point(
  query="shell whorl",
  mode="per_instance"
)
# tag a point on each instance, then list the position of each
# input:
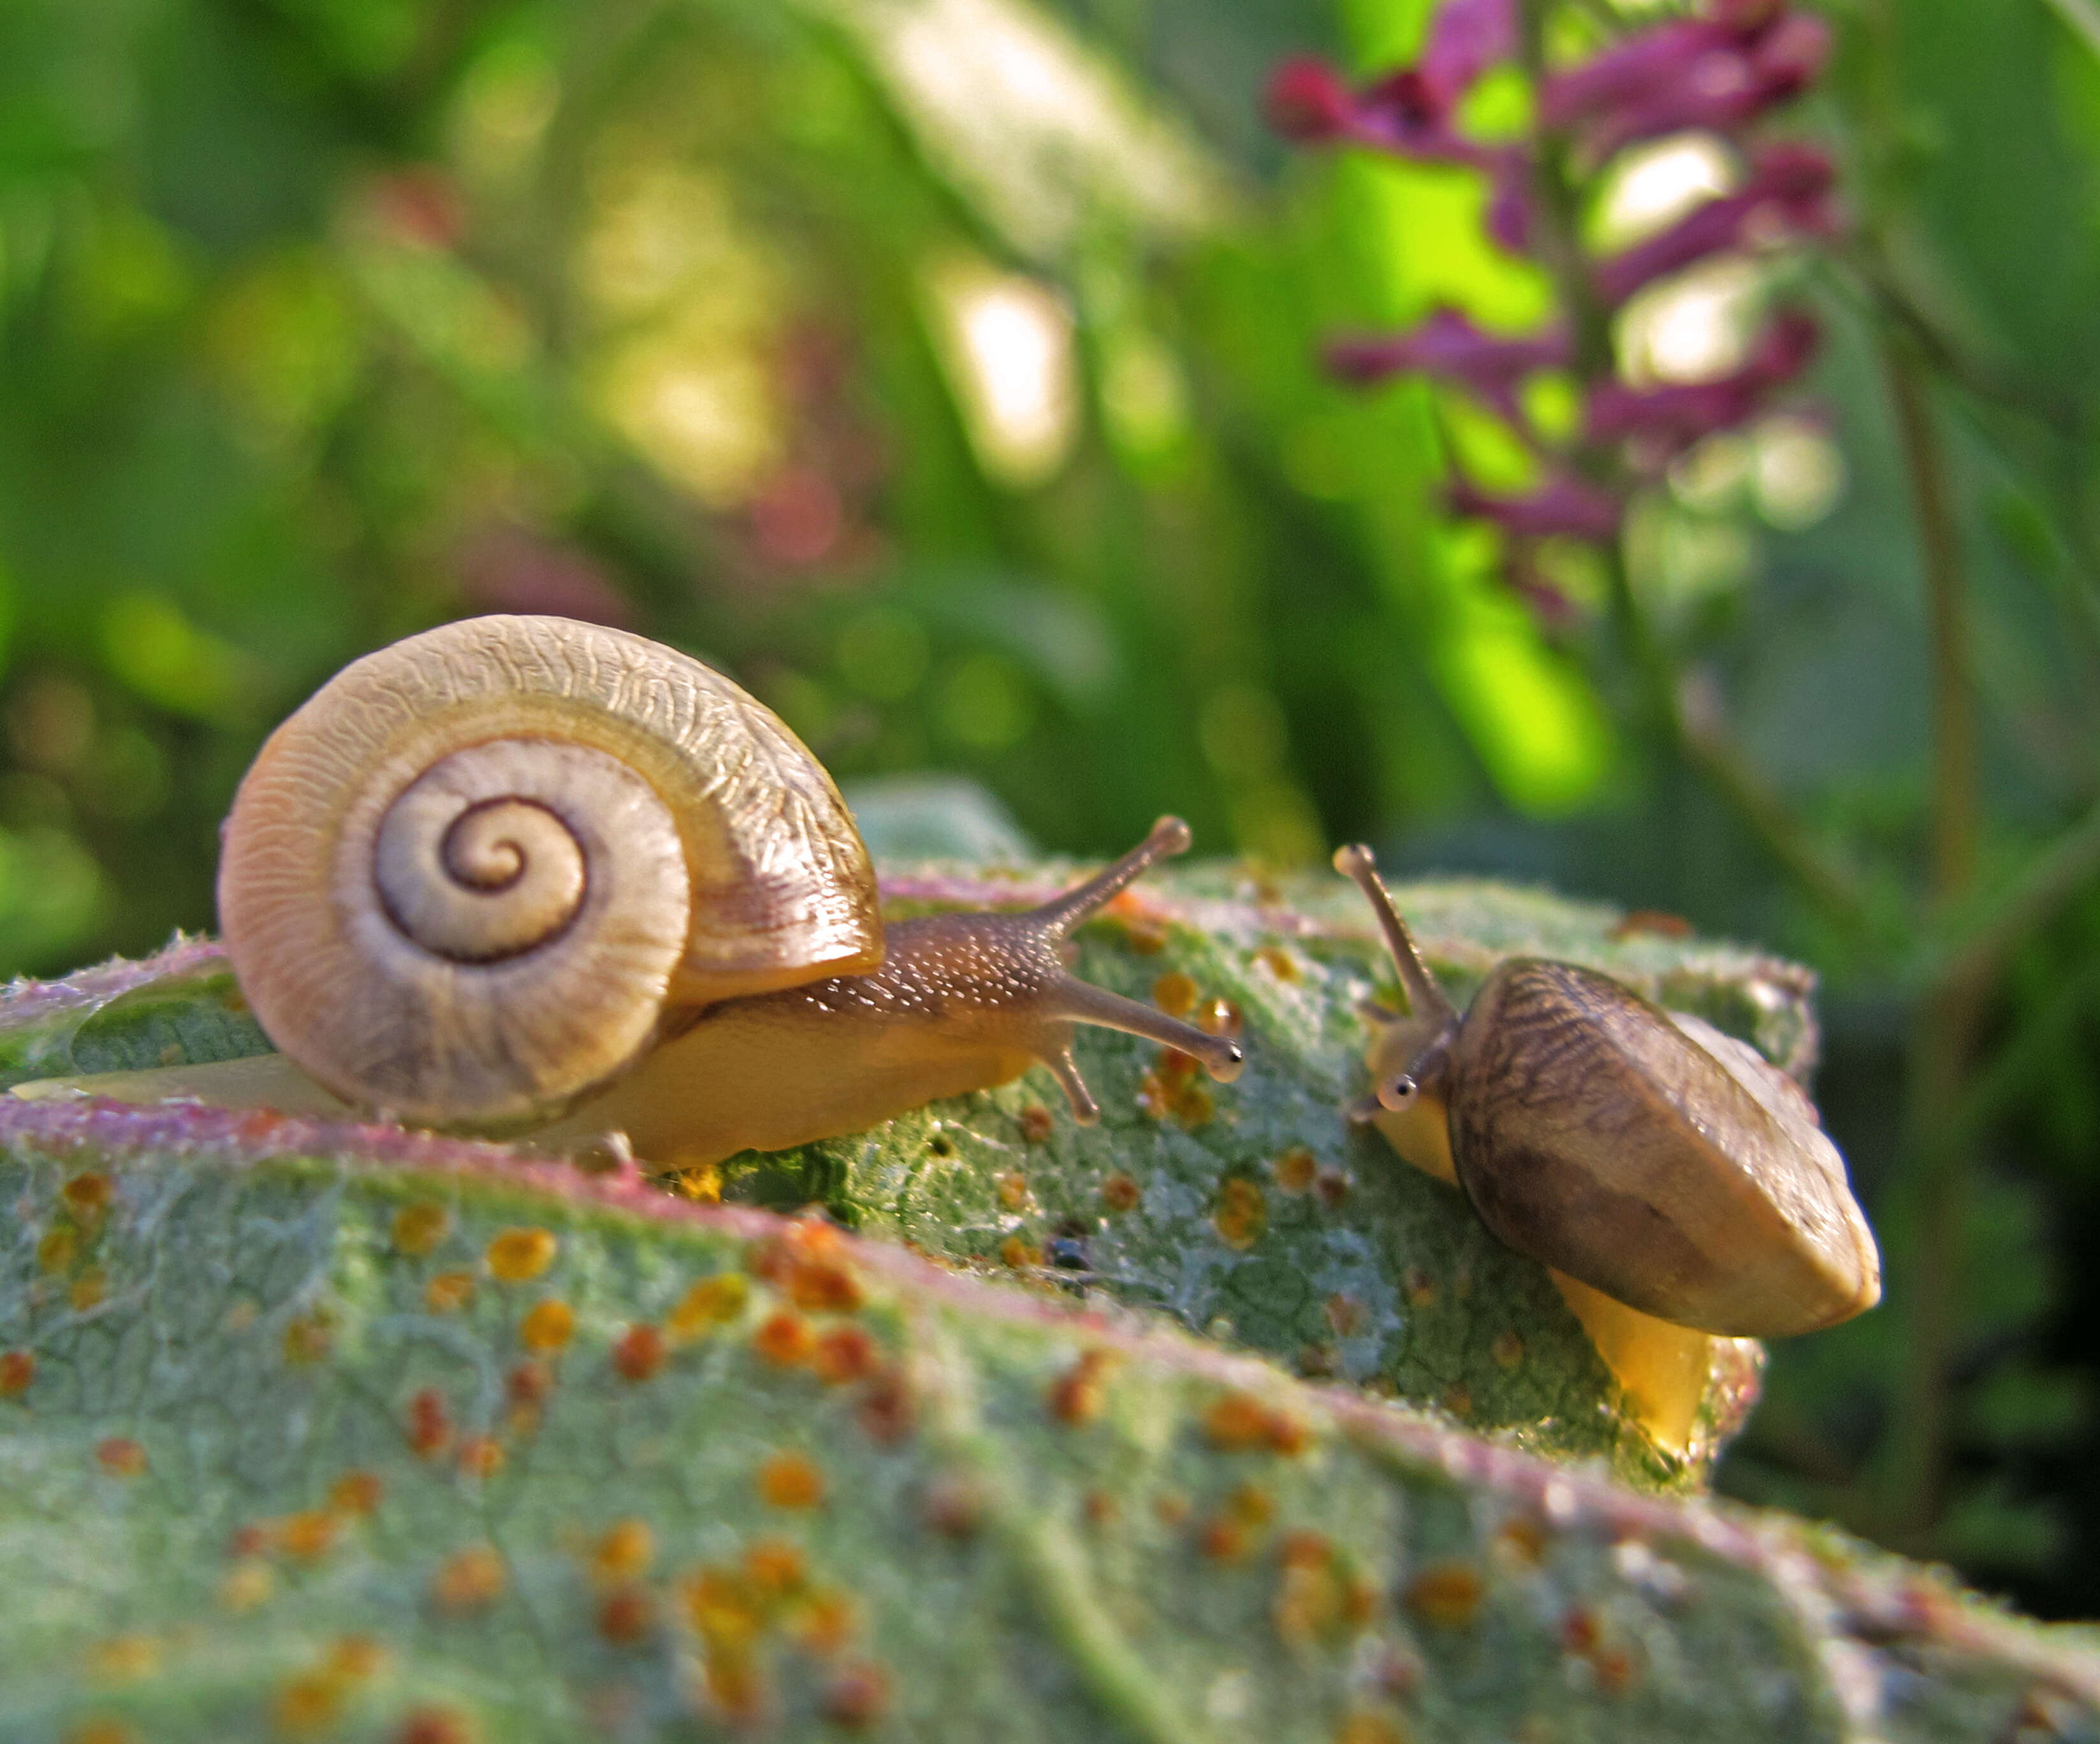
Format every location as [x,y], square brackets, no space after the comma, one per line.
[462,882]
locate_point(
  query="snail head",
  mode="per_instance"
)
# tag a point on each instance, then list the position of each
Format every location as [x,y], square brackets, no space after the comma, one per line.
[1411,1055]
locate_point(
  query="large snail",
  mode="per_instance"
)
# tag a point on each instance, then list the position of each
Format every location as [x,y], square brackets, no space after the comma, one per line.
[520,870]
[1675,1183]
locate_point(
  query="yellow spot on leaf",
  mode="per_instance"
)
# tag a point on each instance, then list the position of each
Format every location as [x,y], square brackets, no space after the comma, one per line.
[712,1303]
[124,1658]
[518,1256]
[248,1583]
[791,1480]
[547,1326]
[420,1227]
[306,1340]
[356,1492]
[1296,1170]
[1242,1212]
[122,1457]
[86,1197]
[1447,1595]
[1174,994]
[624,1552]
[309,1535]
[448,1292]
[469,1579]
[310,1703]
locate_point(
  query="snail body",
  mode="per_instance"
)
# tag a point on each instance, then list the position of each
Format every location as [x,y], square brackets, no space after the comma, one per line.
[961,1002]
[520,872]
[1640,1152]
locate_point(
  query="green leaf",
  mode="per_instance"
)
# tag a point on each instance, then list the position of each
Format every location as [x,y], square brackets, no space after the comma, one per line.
[181,1007]
[285,1455]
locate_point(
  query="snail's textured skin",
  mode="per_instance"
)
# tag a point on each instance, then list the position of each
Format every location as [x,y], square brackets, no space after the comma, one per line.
[715,1089]
[962,1002]
[704,854]
[1590,1131]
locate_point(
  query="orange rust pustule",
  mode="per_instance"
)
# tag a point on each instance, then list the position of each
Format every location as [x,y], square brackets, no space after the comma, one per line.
[1078,1395]
[639,1352]
[1447,1595]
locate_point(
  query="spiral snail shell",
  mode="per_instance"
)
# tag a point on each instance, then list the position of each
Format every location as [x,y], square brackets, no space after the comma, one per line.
[464,880]
[483,873]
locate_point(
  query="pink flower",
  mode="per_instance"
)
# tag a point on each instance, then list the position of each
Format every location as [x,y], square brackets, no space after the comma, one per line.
[1405,114]
[1787,194]
[1510,213]
[1719,72]
[1722,89]
[1450,346]
[1466,38]
[1563,507]
[1308,102]
[1408,113]
[1629,71]
[1660,423]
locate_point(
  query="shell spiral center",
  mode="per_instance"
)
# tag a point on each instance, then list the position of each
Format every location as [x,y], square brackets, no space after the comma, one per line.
[477,877]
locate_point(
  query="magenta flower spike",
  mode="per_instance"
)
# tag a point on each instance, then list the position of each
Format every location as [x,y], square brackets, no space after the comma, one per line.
[1719,71]
[1722,91]
[1509,207]
[1630,71]
[1409,112]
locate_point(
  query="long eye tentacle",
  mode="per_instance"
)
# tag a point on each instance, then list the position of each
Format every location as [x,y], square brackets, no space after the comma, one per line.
[1065,1070]
[1425,997]
[1060,914]
[1077,1001]
[1066,1000]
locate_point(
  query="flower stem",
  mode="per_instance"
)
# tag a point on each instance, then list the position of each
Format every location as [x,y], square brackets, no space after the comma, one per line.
[1946,1026]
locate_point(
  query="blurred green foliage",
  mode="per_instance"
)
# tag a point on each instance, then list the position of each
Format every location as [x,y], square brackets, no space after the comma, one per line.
[946,369]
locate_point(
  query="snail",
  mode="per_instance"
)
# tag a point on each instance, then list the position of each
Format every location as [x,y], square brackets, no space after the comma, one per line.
[1653,1163]
[525,874]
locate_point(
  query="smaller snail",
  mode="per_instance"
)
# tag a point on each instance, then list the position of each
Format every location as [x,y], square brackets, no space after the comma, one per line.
[521,874]
[1640,1152]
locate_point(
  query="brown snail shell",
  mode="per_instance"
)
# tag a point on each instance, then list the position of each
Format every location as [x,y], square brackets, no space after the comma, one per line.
[1639,1151]
[1592,1131]
[463,883]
